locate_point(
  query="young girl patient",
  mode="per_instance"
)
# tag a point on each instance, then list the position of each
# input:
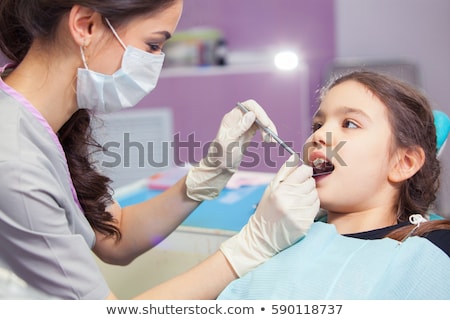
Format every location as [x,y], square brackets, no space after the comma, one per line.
[376,139]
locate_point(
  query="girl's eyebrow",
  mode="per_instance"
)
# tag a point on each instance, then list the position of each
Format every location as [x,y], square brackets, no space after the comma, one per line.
[348,110]
[343,111]
[319,114]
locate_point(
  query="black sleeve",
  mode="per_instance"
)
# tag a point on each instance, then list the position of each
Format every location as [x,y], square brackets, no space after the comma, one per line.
[441,239]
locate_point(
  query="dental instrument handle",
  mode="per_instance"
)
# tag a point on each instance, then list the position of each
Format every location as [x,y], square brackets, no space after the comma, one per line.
[267,130]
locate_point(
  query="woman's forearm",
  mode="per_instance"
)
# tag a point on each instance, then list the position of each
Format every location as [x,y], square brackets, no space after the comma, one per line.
[203,282]
[145,224]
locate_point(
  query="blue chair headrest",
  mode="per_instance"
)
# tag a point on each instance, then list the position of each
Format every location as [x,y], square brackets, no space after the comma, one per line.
[442,123]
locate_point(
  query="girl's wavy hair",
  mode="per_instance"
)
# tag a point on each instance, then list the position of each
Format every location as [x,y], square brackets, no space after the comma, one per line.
[22,22]
[412,121]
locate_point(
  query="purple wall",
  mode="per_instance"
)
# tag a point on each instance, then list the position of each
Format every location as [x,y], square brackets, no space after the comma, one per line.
[258,25]
[268,24]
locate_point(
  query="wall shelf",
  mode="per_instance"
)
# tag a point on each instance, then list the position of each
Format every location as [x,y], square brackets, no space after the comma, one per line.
[175,72]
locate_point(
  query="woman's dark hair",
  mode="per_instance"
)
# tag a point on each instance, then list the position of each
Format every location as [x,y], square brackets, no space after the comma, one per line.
[412,122]
[23,21]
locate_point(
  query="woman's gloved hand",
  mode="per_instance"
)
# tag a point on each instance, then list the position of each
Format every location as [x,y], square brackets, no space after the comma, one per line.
[285,213]
[205,181]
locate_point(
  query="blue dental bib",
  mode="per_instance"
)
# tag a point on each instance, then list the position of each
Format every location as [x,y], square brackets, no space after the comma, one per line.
[327,265]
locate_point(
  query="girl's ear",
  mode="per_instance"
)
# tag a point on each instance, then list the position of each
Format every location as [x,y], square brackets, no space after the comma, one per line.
[81,22]
[406,162]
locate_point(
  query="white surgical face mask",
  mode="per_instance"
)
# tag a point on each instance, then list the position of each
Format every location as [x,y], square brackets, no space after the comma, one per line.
[136,78]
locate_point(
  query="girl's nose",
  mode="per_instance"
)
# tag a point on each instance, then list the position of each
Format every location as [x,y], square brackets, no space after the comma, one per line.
[322,137]
[319,139]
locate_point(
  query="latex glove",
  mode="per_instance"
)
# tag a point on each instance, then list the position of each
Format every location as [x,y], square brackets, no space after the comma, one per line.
[285,213]
[205,181]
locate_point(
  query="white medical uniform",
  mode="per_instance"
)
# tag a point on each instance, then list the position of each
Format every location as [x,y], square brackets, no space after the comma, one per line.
[45,238]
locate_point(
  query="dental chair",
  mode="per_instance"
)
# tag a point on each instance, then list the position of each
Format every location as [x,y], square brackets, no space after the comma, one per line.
[442,123]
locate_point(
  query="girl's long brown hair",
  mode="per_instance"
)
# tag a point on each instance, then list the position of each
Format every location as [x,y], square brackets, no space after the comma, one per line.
[22,22]
[412,121]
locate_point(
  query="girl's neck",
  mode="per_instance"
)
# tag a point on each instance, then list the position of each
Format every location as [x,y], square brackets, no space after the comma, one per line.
[354,222]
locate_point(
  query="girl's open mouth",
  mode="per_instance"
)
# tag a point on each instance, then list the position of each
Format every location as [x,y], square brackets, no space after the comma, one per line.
[322,167]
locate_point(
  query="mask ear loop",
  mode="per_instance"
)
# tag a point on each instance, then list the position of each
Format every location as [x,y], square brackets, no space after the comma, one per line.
[83,57]
[115,33]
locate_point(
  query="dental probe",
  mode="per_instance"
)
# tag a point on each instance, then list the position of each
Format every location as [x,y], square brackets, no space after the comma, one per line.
[267,130]
[316,163]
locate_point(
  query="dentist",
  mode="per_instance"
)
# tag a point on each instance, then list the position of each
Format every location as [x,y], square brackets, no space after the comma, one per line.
[72,58]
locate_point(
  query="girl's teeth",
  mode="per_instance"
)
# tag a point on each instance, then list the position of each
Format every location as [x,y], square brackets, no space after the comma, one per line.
[318,162]
[322,166]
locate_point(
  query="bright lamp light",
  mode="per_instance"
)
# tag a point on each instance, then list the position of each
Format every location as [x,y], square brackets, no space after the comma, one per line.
[286,60]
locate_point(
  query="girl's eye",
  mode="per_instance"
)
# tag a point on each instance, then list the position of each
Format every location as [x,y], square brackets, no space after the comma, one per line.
[350,124]
[315,126]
